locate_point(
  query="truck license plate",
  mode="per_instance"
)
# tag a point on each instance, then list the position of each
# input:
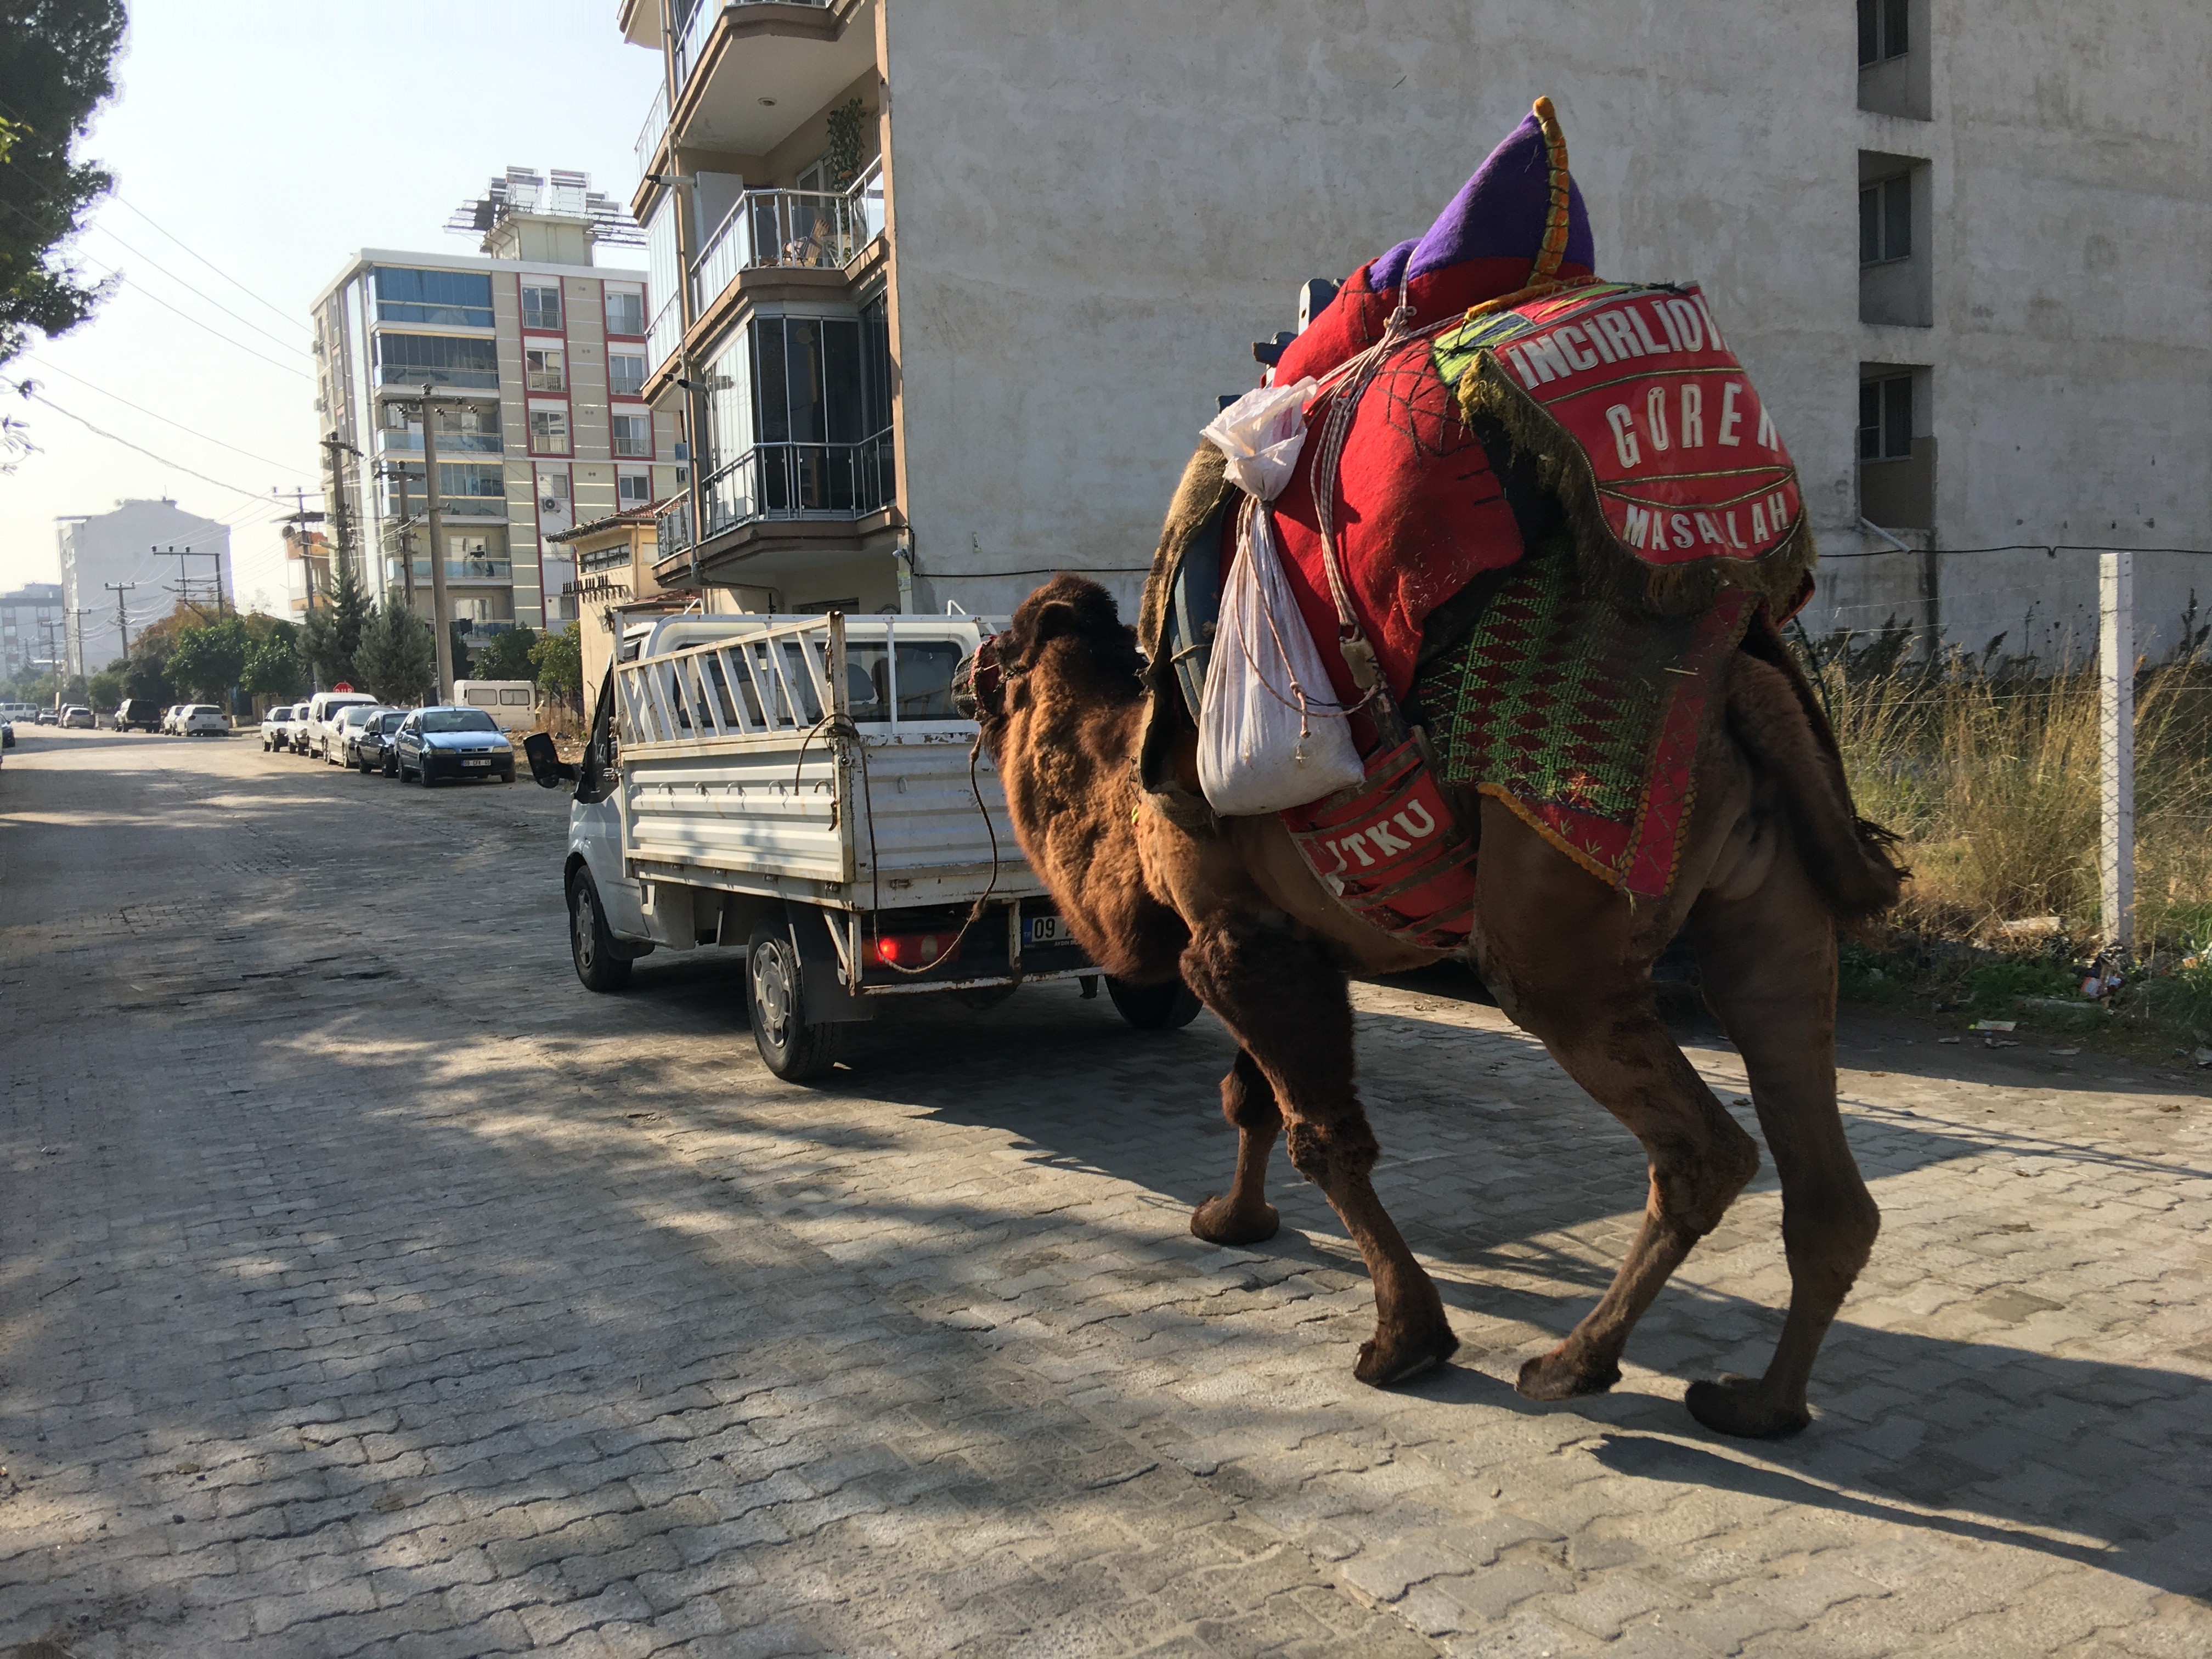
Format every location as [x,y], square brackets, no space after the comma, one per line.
[1044,930]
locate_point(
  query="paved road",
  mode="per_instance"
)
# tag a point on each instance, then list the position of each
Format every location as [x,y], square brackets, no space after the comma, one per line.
[367,1287]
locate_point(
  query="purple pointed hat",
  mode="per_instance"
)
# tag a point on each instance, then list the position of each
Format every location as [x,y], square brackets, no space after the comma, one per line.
[1518,221]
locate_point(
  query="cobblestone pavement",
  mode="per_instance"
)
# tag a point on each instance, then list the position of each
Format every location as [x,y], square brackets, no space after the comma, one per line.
[368,1287]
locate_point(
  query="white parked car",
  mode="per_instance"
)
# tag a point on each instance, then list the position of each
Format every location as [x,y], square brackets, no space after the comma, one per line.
[272,727]
[323,709]
[172,715]
[345,726]
[202,719]
[78,715]
[295,730]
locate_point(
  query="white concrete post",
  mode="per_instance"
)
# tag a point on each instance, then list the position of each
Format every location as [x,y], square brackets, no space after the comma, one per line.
[2115,743]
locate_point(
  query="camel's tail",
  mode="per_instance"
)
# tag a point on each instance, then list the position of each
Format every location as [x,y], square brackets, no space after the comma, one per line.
[1772,712]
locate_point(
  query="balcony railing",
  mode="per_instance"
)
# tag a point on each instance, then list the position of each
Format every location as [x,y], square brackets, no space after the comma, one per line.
[449,443]
[813,229]
[691,34]
[408,374]
[666,332]
[457,570]
[787,481]
[648,135]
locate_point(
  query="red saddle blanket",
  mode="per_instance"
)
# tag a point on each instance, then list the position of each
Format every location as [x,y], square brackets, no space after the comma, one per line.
[1637,418]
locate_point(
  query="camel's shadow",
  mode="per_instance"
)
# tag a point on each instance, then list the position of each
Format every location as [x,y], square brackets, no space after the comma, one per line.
[2081,1459]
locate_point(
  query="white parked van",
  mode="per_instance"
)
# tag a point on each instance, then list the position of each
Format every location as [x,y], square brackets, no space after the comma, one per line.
[512,704]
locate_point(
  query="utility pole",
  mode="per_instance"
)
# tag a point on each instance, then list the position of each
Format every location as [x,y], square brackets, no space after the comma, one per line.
[122,617]
[440,623]
[2116,747]
[299,518]
[403,532]
[335,495]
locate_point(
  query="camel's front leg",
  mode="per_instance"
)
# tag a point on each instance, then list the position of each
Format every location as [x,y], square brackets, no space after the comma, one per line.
[1242,1214]
[1285,1003]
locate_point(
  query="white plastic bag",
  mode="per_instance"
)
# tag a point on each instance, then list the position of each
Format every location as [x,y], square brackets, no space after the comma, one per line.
[1261,433]
[1270,735]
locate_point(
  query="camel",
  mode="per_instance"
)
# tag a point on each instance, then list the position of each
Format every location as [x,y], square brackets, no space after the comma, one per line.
[1774,862]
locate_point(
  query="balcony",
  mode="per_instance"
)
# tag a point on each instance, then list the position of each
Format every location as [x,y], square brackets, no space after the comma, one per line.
[799,229]
[411,377]
[457,570]
[449,443]
[649,135]
[689,35]
[787,480]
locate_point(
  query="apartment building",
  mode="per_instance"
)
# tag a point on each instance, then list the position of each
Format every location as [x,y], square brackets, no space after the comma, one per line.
[30,627]
[945,291]
[535,359]
[155,554]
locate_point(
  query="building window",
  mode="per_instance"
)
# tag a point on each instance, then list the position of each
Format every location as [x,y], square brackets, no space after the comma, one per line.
[633,434]
[457,299]
[1883,34]
[1886,418]
[458,360]
[543,371]
[634,488]
[625,374]
[548,431]
[625,312]
[1886,219]
[541,306]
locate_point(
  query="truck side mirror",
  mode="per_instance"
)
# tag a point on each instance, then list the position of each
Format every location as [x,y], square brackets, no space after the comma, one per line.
[546,766]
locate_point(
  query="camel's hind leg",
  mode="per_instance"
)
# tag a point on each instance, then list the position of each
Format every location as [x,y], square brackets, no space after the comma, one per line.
[1242,1214]
[1285,1001]
[1768,962]
[1569,962]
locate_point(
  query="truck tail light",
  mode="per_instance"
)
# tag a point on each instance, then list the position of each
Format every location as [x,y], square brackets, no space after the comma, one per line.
[916,950]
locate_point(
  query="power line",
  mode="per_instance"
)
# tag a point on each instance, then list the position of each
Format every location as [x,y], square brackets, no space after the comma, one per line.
[288,345]
[281,466]
[116,196]
[33,392]
[148,292]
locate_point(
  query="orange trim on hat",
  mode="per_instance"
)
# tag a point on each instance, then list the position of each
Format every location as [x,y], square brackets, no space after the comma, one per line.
[1553,248]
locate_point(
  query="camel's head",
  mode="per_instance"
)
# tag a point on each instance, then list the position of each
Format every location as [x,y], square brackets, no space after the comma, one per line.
[1096,654]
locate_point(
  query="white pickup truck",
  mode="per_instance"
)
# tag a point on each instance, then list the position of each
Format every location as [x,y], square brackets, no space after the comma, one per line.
[803,787]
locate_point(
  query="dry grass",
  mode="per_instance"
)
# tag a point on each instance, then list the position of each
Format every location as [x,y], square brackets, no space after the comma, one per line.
[1990,771]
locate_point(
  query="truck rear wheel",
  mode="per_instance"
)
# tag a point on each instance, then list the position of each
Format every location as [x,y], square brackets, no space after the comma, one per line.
[599,962]
[776,1005]
[1167,1007]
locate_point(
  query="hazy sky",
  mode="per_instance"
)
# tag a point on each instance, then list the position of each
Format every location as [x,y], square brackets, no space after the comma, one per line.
[274,140]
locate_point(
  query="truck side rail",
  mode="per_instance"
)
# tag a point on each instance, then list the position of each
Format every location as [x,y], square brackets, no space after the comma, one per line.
[773,683]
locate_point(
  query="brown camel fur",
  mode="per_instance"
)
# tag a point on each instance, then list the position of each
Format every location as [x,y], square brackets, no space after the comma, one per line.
[1773,861]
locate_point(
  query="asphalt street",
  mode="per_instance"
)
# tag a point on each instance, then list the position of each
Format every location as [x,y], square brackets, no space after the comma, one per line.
[368,1287]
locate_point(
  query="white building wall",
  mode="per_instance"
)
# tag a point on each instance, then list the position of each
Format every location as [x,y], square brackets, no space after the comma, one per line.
[132,544]
[1081,263]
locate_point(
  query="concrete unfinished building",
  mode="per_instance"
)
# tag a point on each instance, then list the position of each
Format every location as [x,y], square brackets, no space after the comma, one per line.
[972,334]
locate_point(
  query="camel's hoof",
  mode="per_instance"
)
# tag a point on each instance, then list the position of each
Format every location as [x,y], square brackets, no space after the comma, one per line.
[1217,1223]
[1386,1361]
[1734,1405]
[1555,1376]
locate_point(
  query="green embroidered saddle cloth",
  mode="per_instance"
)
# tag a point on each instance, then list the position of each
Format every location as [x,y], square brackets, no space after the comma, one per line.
[1582,716]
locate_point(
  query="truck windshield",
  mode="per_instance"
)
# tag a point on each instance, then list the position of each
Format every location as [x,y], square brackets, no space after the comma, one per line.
[456,720]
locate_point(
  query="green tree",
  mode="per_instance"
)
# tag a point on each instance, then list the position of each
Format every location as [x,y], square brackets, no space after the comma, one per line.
[398,658]
[333,629]
[147,672]
[105,688]
[55,62]
[506,657]
[464,658]
[207,660]
[273,667]
[559,660]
